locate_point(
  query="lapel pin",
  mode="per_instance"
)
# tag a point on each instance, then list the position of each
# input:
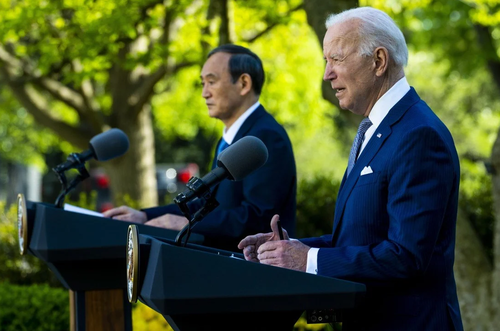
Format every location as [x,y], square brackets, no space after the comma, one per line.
[379,135]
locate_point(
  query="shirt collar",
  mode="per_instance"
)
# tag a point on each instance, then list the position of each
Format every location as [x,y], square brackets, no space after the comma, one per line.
[229,134]
[387,101]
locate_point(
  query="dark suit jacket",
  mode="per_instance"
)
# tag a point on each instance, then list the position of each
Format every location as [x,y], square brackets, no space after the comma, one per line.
[247,206]
[394,229]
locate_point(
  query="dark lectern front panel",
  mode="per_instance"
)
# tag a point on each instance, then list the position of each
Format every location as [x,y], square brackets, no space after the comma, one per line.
[180,280]
[85,252]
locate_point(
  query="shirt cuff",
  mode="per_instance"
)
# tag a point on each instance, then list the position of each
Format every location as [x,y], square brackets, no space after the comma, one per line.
[312,261]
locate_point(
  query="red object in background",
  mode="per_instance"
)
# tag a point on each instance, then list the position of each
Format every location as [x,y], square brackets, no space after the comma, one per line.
[106,206]
[102,181]
[185,174]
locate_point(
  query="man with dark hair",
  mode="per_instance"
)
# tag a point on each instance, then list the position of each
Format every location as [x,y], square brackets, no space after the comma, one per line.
[242,61]
[232,79]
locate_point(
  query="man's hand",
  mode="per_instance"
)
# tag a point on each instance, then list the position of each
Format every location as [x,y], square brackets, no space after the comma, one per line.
[169,221]
[124,213]
[290,254]
[251,244]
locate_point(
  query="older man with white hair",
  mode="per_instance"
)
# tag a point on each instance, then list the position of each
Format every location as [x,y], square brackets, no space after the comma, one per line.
[395,218]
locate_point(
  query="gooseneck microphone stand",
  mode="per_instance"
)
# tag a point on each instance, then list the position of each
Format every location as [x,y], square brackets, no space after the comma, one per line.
[194,185]
[79,164]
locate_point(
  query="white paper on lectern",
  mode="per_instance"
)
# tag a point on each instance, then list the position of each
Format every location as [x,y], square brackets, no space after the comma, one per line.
[80,210]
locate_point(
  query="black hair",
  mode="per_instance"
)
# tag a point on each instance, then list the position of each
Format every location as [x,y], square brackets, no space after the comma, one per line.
[243,61]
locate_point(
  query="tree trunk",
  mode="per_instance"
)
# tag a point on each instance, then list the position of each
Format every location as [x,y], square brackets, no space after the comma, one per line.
[317,12]
[473,277]
[16,182]
[495,179]
[134,174]
[489,48]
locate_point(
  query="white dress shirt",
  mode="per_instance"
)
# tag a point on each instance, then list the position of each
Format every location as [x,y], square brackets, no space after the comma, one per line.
[376,116]
[229,134]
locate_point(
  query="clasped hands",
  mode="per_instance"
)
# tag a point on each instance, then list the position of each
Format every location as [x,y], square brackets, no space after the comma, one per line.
[167,221]
[267,248]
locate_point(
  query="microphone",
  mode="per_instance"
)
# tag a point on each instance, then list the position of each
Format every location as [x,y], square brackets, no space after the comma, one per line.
[102,147]
[235,163]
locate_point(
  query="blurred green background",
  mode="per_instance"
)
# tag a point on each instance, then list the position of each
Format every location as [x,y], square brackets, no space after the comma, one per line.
[70,69]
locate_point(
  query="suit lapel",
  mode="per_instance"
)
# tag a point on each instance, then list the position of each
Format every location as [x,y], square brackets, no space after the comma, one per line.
[380,135]
[249,122]
[247,126]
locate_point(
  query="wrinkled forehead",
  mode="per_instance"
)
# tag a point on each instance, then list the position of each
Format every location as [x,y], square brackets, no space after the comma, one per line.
[342,37]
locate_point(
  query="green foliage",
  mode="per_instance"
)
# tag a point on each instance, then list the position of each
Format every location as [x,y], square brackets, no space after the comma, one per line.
[294,65]
[182,112]
[446,66]
[316,206]
[301,325]
[21,139]
[83,200]
[444,28]
[90,31]
[33,308]
[15,268]
[448,69]
[42,308]
[147,319]
[485,11]
[476,201]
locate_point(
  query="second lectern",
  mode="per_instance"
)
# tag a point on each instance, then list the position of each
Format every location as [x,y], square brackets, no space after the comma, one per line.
[200,288]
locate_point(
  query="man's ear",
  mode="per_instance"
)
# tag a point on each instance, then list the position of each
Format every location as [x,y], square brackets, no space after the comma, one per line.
[245,82]
[381,60]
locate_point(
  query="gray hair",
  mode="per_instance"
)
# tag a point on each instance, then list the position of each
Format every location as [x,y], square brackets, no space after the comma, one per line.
[376,29]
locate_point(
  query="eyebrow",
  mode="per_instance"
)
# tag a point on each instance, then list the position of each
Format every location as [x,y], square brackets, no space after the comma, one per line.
[331,56]
[210,75]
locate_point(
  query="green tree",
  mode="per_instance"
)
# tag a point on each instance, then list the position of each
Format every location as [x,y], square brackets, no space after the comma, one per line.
[22,143]
[81,67]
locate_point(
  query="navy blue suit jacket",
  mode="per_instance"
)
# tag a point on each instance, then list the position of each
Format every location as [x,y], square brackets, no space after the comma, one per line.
[247,206]
[394,229]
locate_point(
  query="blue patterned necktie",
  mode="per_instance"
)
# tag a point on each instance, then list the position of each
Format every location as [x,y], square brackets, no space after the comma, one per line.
[358,141]
[222,146]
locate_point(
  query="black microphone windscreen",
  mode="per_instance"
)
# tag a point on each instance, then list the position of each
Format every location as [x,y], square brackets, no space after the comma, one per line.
[243,157]
[109,144]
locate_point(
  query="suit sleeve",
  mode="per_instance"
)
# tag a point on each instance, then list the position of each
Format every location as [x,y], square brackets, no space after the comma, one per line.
[422,178]
[162,210]
[264,193]
[318,242]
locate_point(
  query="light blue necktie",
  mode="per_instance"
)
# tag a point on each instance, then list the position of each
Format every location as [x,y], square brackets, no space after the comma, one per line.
[358,141]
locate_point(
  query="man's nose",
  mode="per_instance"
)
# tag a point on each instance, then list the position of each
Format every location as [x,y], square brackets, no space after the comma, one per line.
[205,93]
[329,74]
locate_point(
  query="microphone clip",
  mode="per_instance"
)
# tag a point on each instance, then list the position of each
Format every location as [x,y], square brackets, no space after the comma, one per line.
[197,188]
[74,161]
[209,206]
[200,189]
[195,184]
